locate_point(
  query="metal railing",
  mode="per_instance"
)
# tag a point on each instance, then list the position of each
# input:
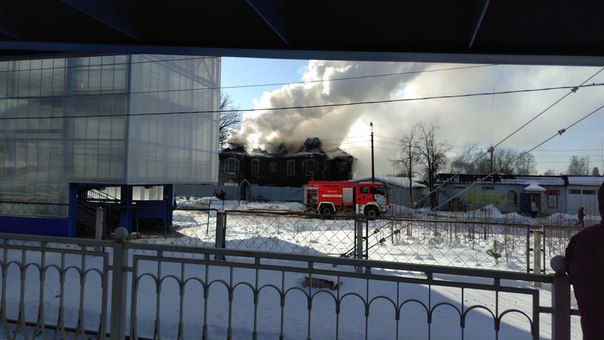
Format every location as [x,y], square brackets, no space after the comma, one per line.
[73,288]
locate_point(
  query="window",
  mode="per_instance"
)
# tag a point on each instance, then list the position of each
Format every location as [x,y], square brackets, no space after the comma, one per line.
[575,192]
[552,201]
[231,166]
[309,166]
[255,166]
[291,167]
[511,198]
[589,192]
[273,166]
[378,191]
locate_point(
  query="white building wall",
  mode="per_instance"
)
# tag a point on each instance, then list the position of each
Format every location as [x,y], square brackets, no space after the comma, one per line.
[104,119]
[173,127]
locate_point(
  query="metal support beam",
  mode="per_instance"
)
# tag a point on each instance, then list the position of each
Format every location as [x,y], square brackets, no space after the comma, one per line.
[479,23]
[111,13]
[271,15]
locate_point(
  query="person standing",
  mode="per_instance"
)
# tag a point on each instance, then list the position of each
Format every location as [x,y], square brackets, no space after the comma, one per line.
[584,260]
[534,208]
[581,217]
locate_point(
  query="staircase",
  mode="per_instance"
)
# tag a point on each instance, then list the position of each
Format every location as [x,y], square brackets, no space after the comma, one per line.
[86,213]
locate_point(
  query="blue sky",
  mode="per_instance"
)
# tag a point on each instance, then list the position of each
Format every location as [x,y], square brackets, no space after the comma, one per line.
[248,71]
[484,120]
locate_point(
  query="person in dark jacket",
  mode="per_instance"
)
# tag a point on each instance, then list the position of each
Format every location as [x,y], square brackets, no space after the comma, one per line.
[584,259]
[581,217]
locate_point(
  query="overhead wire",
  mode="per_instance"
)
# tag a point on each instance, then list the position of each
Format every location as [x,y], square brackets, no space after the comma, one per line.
[355,77]
[522,154]
[316,106]
[221,88]
[560,132]
[573,90]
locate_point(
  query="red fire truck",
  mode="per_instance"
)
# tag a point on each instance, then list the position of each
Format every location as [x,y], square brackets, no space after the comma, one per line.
[329,197]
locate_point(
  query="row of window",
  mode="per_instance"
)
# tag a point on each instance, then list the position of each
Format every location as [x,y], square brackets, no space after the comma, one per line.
[584,192]
[310,166]
[571,191]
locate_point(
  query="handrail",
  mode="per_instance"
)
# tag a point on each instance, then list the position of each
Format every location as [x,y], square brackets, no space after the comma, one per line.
[184,261]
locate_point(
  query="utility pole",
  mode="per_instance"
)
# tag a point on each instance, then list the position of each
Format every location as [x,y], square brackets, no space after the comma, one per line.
[491,150]
[372,160]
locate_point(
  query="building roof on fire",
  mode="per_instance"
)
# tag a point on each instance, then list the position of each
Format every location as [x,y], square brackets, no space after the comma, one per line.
[312,147]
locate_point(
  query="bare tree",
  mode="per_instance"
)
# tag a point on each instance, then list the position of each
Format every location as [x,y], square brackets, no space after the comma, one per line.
[473,161]
[432,156]
[502,161]
[409,157]
[526,164]
[230,119]
[578,166]
[595,171]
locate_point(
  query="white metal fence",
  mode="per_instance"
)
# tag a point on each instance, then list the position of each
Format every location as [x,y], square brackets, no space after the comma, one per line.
[64,288]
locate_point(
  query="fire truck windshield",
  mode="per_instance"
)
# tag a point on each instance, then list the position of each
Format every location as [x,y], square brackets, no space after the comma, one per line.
[379,191]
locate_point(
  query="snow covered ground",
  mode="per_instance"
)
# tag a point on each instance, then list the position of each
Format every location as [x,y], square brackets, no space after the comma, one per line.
[461,239]
[183,306]
[411,250]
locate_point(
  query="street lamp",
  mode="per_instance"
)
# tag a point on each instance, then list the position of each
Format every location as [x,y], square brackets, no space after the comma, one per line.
[372,160]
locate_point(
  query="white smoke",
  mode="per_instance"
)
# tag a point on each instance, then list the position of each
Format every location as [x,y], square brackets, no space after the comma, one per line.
[325,83]
[483,120]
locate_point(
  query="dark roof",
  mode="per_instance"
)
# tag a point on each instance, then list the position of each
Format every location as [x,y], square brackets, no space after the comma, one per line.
[481,31]
[311,147]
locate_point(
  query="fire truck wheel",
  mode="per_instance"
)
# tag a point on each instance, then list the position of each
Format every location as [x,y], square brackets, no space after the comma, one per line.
[326,210]
[371,212]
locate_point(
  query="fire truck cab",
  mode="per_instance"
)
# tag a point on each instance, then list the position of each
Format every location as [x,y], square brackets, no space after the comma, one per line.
[329,197]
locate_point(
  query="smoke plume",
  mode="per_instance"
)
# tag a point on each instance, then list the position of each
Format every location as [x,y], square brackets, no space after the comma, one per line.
[326,83]
[314,108]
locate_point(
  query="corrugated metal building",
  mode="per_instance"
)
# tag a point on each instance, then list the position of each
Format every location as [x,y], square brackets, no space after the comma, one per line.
[511,193]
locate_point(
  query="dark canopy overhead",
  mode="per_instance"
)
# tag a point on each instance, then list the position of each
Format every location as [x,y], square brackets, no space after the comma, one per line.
[485,31]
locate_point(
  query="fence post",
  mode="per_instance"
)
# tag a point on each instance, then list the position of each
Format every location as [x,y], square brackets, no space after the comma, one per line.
[537,253]
[119,286]
[359,240]
[560,300]
[99,225]
[220,232]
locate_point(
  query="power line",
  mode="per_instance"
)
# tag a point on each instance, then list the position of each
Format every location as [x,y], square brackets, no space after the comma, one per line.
[317,106]
[220,88]
[522,154]
[355,78]
[570,150]
[573,90]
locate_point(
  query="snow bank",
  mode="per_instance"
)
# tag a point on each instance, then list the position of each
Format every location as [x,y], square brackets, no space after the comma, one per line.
[215,203]
[272,206]
[570,220]
[193,202]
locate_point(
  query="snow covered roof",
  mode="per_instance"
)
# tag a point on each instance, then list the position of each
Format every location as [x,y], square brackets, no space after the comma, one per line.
[402,182]
[525,180]
[533,187]
[585,180]
[335,153]
[537,180]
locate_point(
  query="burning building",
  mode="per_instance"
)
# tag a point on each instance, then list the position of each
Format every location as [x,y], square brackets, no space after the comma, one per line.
[287,167]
